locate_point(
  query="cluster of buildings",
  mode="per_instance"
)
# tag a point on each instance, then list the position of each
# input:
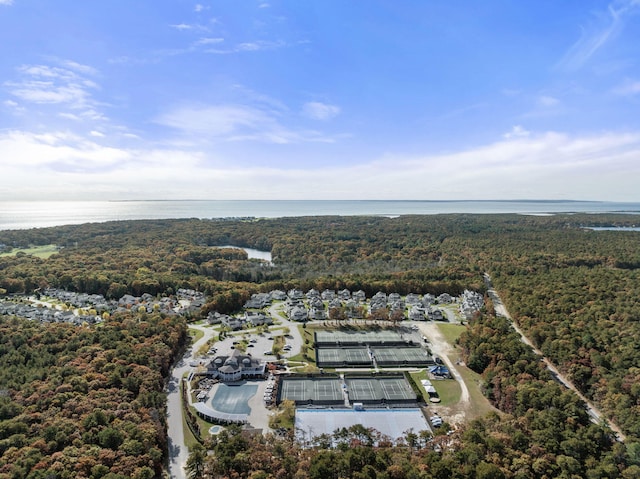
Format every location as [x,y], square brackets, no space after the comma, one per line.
[316,305]
[53,305]
[43,314]
[251,319]
[470,303]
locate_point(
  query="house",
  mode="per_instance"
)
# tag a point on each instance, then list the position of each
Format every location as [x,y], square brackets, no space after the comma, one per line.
[257,319]
[317,314]
[435,315]
[416,313]
[428,299]
[328,295]
[445,298]
[335,303]
[235,367]
[313,293]
[412,299]
[258,301]
[316,303]
[232,323]
[344,294]
[215,318]
[298,313]
[295,294]
[277,295]
[359,296]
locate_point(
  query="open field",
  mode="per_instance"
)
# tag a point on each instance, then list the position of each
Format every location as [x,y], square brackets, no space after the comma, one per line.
[38,251]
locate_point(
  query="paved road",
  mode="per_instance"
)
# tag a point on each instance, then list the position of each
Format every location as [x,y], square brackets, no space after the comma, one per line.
[594,413]
[178,451]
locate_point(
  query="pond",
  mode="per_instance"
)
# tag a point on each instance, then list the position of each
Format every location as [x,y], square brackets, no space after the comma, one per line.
[252,253]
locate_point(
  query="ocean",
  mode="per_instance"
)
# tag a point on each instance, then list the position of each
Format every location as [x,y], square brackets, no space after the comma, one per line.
[40,214]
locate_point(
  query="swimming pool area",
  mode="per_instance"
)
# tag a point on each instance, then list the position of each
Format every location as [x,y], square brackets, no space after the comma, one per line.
[233,398]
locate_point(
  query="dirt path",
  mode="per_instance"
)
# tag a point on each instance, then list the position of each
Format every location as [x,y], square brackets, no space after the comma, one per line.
[457,413]
[594,413]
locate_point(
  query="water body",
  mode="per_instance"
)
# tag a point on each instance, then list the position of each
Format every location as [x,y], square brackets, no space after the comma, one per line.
[613,228]
[252,253]
[39,214]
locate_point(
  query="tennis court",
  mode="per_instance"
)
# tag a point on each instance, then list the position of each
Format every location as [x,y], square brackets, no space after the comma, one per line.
[369,390]
[314,390]
[402,356]
[334,357]
[334,338]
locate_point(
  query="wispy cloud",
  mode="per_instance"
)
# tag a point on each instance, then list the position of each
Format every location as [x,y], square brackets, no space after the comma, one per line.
[628,88]
[208,41]
[254,46]
[598,33]
[45,84]
[320,111]
[547,101]
[6,2]
[237,122]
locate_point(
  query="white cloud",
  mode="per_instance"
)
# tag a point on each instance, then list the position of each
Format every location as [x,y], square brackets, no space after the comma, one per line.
[628,88]
[96,134]
[604,27]
[237,122]
[6,2]
[548,101]
[320,111]
[208,41]
[255,46]
[61,165]
[199,7]
[517,132]
[53,85]
[182,26]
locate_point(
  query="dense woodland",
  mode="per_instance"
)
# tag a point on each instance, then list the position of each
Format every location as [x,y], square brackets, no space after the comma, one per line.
[573,290]
[81,402]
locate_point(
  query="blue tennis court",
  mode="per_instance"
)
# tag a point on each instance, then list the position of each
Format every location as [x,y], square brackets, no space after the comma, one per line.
[233,398]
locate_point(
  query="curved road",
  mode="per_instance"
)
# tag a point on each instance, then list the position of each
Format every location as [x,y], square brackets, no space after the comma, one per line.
[178,450]
[594,413]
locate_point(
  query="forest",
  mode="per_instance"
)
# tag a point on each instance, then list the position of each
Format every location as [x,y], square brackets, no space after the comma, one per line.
[573,290]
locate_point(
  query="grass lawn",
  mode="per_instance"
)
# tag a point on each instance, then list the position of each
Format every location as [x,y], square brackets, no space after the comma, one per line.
[39,251]
[451,332]
[448,389]
[195,334]
[479,405]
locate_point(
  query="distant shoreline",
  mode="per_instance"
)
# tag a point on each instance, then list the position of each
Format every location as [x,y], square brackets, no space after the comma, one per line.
[42,214]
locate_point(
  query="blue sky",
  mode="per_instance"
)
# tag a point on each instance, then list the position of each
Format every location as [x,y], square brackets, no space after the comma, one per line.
[320,99]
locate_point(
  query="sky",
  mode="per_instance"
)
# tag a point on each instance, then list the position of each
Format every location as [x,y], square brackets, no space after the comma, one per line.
[320,99]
